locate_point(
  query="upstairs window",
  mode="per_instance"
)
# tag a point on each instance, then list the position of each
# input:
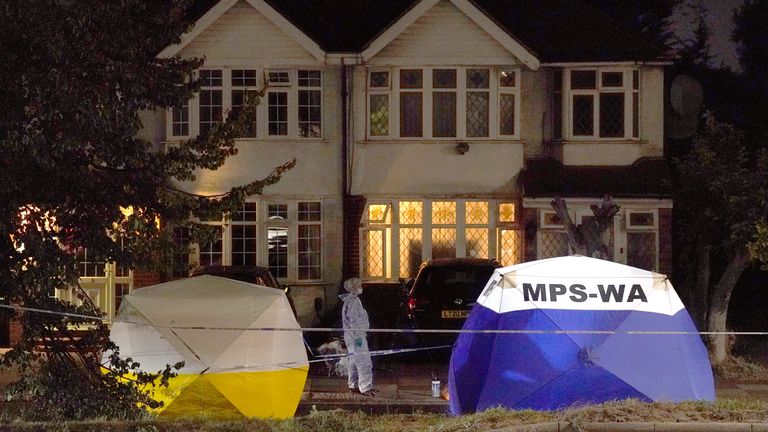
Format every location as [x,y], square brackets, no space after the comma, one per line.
[211,103]
[291,106]
[444,103]
[600,103]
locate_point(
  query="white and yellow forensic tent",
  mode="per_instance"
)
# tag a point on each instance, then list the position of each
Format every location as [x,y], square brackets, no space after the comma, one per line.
[228,369]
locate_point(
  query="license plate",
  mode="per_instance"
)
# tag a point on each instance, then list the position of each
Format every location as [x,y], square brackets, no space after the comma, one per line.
[453,314]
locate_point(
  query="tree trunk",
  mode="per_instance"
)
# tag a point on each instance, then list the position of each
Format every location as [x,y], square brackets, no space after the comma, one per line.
[700,291]
[718,310]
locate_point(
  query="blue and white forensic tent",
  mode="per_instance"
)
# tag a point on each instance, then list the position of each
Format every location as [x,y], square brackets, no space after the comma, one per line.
[580,330]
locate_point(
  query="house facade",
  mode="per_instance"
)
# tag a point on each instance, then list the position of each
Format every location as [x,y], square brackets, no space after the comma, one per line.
[424,129]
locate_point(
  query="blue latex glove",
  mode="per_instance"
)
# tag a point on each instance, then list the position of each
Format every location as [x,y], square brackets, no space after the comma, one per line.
[359,342]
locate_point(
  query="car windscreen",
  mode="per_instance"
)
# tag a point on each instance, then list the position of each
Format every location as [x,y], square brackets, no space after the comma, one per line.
[446,283]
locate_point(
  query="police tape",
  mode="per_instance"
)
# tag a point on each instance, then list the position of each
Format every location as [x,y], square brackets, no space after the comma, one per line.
[384,330]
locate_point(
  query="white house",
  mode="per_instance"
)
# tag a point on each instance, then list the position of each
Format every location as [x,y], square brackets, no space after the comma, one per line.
[423,129]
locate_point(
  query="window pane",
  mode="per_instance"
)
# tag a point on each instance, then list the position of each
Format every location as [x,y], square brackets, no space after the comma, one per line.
[611,114]
[553,244]
[277,251]
[583,115]
[507,212]
[477,242]
[278,113]
[278,77]
[243,244]
[581,80]
[378,213]
[410,251]
[411,212]
[309,78]
[181,120]
[636,80]
[379,115]
[476,212]
[510,242]
[444,114]
[210,109]
[507,114]
[379,79]
[444,78]
[641,219]
[478,78]
[212,252]
[557,105]
[612,79]
[247,214]
[443,242]
[410,114]
[309,113]
[277,211]
[477,114]
[443,212]
[239,98]
[181,239]
[121,290]
[373,262]
[211,77]
[507,78]
[410,78]
[641,250]
[243,77]
[309,211]
[309,252]
[635,115]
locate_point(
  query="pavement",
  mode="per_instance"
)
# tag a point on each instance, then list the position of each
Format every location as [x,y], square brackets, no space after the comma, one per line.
[405,386]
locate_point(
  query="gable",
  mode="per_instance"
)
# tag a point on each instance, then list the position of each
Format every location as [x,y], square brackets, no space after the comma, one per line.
[243,35]
[444,35]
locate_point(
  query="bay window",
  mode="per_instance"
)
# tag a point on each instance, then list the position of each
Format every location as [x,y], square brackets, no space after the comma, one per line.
[443,103]
[286,237]
[290,108]
[397,235]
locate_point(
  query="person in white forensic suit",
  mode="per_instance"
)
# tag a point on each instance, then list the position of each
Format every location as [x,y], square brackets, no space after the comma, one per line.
[354,319]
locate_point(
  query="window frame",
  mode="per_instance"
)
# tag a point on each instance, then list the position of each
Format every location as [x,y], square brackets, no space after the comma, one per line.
[390,229]
[626,89]
[261,123]
[393,93]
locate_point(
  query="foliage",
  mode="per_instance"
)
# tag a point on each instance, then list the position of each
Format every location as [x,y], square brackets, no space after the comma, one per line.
[721,203]
[78,79]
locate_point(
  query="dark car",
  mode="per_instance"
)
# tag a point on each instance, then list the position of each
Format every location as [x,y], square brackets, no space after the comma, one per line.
[251,274]
[444,292]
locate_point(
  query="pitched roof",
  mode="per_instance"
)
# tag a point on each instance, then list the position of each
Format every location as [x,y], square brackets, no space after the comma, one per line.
[554,30]
[647,178]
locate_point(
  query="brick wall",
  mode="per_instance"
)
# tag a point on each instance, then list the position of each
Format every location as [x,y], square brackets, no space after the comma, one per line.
[354,206]
[142,278]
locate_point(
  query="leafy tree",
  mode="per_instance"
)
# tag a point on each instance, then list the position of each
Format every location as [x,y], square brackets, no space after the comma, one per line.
[722,209]
[78,77]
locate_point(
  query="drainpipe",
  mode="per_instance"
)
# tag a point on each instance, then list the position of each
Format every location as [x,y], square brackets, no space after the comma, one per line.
[345,168]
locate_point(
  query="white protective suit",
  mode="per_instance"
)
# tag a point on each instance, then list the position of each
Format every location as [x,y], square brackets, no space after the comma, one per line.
[354,316]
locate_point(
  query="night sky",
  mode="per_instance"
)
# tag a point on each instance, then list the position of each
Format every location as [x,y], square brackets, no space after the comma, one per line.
[720,19]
